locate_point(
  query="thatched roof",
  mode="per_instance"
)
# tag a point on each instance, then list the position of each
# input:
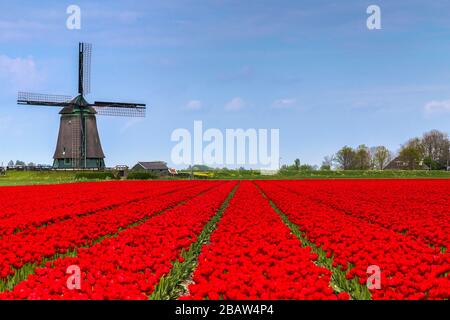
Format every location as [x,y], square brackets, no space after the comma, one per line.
[152,165]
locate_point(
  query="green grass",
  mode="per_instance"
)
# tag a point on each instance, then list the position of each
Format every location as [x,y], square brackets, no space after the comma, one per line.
[364,174]
[324,174]
[15,178]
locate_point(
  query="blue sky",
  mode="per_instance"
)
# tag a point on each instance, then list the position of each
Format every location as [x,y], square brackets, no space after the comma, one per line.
[309,68]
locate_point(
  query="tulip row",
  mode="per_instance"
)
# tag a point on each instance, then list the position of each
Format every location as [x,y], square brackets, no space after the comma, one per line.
[127,266]
[33,247]
[90,198]
[12,199]
[415,208]
[409,268]
[253,255]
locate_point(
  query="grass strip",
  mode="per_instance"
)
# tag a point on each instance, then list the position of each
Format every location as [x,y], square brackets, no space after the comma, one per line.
[338,281]
[174,284]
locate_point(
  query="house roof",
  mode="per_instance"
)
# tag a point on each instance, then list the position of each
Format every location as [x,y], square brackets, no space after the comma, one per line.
[398,164]
[153,165]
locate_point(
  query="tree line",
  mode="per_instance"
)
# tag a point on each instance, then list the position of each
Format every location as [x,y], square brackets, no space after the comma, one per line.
[20,163]
[431,151]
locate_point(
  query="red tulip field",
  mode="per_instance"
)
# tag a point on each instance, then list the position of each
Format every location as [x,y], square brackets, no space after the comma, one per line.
[233,240]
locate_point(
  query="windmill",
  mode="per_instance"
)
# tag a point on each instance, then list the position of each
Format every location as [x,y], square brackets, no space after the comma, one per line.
[78,145]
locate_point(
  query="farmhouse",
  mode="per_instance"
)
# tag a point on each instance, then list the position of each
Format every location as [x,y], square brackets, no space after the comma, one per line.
[400,164]
[157,167]
[396,164]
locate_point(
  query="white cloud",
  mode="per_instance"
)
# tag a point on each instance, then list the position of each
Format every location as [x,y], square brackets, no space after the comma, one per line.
[235,104]
[433,107]
[194,105]
[19,72]
[284,103]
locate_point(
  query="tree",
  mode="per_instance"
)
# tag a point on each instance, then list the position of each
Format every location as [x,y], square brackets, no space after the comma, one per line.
[11,163]
[435,146]
[412,153]
[297,164]
[307,167]
[345,158]
[327,162]
[381,157]
[446,158]
[362,158]
[20,163]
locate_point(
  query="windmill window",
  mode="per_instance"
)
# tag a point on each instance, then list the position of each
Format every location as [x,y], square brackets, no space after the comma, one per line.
[66,161]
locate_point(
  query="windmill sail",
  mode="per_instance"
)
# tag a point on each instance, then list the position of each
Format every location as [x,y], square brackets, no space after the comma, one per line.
[120,109]
[84,68]
[78,145]
[42,99]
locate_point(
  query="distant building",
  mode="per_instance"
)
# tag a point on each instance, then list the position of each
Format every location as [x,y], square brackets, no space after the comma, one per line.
[399,164]
[157,167]
[396,164]
[122,171]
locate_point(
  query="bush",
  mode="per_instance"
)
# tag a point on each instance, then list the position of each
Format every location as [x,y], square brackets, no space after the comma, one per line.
[141,176]
[94,176]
